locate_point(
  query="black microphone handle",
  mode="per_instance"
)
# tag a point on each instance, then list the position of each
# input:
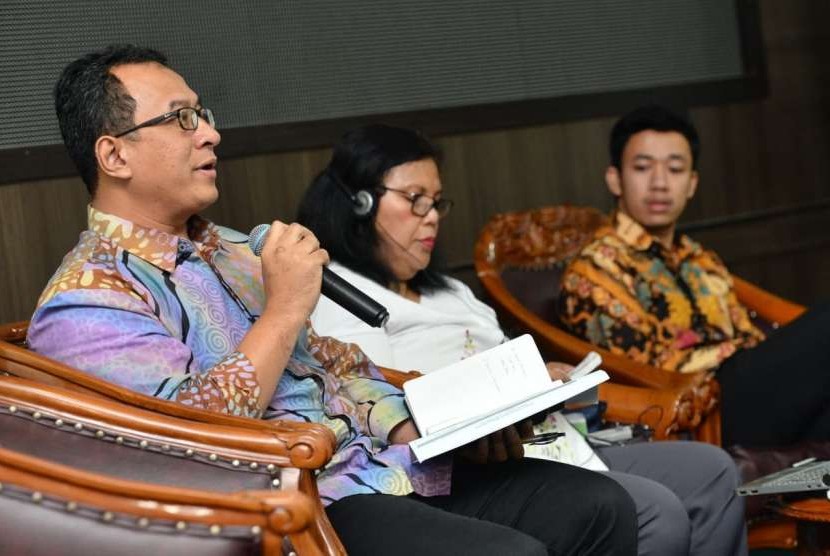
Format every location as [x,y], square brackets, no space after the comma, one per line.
[355,301]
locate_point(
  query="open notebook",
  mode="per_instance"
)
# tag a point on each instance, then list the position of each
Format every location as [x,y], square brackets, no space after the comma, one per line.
[485,393]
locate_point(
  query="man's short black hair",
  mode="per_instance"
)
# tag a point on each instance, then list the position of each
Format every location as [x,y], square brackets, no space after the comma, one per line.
[651,117]
[360,161]
[90,101]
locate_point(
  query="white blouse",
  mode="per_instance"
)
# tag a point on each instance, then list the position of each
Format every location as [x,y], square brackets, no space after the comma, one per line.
[443,328]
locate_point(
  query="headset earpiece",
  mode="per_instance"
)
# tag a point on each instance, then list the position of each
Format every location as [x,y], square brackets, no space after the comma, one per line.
[364,202]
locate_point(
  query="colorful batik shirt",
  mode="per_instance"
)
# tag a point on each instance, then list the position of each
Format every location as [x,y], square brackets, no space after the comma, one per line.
[671,308]
[163,315]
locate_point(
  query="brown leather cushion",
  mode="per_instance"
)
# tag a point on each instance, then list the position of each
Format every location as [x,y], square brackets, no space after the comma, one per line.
[83,451]
[47,528]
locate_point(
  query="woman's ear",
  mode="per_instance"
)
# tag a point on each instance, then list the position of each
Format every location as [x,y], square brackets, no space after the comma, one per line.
[112,157]
[612,180]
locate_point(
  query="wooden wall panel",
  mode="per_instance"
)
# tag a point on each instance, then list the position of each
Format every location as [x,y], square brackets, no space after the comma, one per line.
[39,223]
[757,155]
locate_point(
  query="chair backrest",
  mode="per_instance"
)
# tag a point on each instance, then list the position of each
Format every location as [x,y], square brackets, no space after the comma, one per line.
[46,508]
[541,238]
[530,249]
[519,258]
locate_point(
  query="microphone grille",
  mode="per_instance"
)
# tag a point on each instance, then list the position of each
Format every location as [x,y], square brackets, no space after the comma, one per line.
[256,239]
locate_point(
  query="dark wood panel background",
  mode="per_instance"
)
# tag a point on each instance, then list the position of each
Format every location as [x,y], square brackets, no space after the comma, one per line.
[757,156]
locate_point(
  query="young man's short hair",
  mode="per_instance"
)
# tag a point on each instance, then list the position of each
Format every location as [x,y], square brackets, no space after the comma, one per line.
[651,117]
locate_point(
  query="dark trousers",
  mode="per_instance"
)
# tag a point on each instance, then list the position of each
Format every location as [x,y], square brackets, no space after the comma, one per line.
[778,392]
[527,507]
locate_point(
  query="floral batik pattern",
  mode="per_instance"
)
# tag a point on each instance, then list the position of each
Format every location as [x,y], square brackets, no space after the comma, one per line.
[671,308]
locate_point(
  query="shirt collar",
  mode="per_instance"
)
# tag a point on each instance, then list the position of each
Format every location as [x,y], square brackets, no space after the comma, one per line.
[633,234]
[155,246]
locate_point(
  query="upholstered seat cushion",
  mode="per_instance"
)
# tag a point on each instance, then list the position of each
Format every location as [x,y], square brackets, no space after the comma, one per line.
[47,528]
[85,451]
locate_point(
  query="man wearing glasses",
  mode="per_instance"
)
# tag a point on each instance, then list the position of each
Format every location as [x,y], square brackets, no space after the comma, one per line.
[161,301]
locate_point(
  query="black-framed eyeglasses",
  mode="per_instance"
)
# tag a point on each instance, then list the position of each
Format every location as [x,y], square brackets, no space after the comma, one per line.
[187,115]
[421,204]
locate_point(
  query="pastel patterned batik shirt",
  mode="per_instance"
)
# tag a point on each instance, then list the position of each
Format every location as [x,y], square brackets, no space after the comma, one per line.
[671,308]
[163,315]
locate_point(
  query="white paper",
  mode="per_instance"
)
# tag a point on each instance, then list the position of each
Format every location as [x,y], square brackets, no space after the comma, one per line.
[479,384]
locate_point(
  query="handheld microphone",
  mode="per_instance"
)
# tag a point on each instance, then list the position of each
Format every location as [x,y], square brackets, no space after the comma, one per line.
[334,287]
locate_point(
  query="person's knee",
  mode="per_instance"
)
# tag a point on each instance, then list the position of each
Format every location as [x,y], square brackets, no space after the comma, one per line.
[664,526]
[593,515]
[611,497]
[717,465]
[397,524]
[613,513]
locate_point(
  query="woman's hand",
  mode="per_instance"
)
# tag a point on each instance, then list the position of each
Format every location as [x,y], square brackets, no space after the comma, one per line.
[499,446]
[559,371]
[404,433]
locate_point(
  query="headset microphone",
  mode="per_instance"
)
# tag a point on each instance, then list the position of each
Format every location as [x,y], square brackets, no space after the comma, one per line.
[418,262]
[334,287]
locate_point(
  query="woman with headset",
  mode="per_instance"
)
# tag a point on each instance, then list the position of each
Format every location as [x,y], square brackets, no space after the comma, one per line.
[376,209]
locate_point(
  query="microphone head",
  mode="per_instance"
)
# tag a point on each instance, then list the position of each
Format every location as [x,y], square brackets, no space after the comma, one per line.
[256,239]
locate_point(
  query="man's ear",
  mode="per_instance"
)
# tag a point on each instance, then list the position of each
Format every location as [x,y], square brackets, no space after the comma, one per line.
[612,180]
[112,157]
[693,184]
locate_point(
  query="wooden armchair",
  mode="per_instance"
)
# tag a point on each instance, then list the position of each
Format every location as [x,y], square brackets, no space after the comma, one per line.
[98,435]
[47,508]
[304,446]
[519,258]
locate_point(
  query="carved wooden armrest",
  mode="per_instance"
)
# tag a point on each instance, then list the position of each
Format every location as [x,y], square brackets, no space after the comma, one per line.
[707,392]
[396,377]
[666,412]
[768,306]
[14,332]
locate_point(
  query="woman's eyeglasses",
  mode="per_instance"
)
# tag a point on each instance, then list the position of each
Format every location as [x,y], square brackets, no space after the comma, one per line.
[187,116]
[421,204]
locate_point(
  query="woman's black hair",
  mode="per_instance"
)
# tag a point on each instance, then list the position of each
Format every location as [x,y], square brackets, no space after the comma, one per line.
[360,162]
